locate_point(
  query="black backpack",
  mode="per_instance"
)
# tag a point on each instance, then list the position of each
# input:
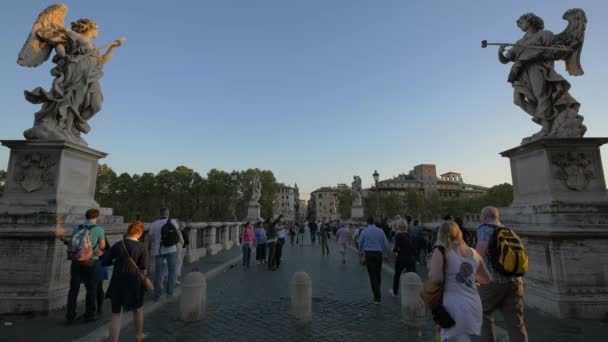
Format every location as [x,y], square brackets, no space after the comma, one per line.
[168,234]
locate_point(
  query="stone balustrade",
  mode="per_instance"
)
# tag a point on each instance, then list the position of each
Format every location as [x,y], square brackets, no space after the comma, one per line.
[209,238]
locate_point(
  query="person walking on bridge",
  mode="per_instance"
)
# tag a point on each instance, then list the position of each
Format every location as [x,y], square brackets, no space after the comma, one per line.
[373,242]
[300,237]
[271,242]
[343,237]
[313,231]
[248,238]
[260,242]
[404,253]
[324,236]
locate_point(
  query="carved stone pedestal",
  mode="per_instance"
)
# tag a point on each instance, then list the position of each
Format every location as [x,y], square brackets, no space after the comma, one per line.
[356,212]
[49,176]
[49,186]
[253,213]
[560,209]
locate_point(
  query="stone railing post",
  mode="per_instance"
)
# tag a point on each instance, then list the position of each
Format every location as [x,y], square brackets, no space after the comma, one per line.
[193,299]
[412,307]
[301,297]
[226,237]
[236,234]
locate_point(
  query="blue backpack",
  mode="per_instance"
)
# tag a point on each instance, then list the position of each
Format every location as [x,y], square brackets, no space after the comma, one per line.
[81,246]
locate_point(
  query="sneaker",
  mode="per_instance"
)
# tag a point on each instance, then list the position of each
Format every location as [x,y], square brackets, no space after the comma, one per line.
[177,282]
[392,293]
[377,302]
[141,337]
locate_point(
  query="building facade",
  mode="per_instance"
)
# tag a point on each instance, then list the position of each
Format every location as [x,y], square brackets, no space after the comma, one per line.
[287,202]
[423,178]
[302,210]
[323,203]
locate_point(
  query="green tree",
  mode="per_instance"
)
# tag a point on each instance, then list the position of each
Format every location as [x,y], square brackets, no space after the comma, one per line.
[269,190]
[500,195]
[189,196]
[104,189]
[345,202]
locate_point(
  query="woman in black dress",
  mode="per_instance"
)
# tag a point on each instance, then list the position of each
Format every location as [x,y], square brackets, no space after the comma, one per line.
[404,254]
[126,290]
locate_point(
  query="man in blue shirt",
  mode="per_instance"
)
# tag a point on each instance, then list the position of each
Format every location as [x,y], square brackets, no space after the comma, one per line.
[373,242]
[86,271]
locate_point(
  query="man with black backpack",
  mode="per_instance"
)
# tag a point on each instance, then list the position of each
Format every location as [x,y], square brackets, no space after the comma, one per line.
[506,290]
[84,248]
[165,237]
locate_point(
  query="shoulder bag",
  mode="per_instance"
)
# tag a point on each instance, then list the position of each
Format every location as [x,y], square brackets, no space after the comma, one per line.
[432,295]
[147,282]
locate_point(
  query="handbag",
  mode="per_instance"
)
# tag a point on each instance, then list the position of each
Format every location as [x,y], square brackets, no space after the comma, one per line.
[432,295]
[148,285]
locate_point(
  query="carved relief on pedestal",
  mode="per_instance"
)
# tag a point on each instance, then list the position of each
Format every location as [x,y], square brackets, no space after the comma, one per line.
[35,170]
[574,169]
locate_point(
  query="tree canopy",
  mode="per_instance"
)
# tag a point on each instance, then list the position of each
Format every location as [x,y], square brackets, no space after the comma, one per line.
[190,196]
[418,206]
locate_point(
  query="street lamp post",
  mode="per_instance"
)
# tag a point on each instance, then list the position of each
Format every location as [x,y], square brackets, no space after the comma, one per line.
[233,176]
[376,176]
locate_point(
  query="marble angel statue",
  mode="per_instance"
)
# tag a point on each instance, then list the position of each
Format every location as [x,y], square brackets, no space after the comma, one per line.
[537,88]
[356,190]
[256,191]
[75,95]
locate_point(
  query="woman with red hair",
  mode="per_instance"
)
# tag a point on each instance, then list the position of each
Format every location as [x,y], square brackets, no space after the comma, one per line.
[127,286]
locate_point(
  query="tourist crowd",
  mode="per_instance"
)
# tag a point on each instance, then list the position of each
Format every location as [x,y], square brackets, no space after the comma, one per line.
[467,281]
[90,254]
[470,276]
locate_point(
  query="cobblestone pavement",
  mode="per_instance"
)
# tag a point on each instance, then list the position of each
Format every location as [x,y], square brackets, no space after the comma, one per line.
[52,327]
[253,305]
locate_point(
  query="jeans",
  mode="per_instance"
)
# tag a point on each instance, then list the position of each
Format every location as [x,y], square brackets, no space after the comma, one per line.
[246,254]
[260,252]
[86,273]
[271,246]
[509,298]
[313,237]
[400,265]
[158,273]
[300,238]
[373,261]
[279,252]
[324,246]
[100,296]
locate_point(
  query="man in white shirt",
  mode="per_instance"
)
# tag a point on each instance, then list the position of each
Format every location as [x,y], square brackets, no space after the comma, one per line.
[162,253]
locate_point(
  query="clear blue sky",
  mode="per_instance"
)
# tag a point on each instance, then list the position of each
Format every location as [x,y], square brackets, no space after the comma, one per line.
[316,91]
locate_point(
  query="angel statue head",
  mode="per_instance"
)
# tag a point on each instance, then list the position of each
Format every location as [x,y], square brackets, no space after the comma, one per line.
[75,96]
[530,21]
[86,27]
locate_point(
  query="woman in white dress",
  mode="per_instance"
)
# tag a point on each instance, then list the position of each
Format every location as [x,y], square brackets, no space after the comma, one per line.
[465,269]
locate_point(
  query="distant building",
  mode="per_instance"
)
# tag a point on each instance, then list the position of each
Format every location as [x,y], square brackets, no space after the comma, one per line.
[286,202]
[302,210]
[423,178]
[323,203]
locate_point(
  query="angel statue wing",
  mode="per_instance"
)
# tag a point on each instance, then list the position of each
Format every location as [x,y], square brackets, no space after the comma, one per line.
[37,50]
[573,37]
